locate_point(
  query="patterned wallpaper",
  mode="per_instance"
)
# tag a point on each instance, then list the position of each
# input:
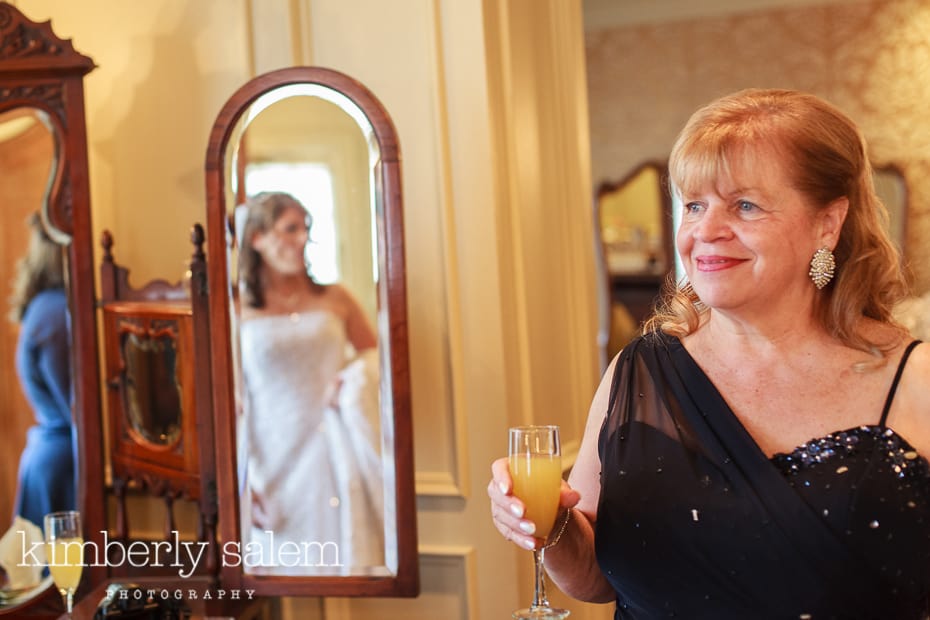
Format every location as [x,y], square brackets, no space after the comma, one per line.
[872,59]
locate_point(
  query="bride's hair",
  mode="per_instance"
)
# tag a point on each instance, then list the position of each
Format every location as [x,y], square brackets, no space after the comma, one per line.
[262,211]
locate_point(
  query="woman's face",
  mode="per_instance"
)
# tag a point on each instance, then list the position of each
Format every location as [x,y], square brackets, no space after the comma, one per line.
[746,242]
[282,246]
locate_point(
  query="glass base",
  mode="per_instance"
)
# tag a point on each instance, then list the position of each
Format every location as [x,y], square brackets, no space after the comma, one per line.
[540,613]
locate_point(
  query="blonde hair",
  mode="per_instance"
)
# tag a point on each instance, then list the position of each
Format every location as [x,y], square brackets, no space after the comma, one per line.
[826,158]
[41,268]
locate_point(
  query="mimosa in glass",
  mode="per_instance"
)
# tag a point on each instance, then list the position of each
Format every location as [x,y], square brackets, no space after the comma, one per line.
[536,469]
[536,481]
[64,549]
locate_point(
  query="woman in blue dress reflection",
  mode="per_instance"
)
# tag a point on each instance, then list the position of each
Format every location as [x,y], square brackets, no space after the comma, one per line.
[46,480]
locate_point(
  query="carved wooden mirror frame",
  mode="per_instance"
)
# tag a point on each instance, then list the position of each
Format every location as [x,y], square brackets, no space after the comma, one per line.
[391,295]
[39,70]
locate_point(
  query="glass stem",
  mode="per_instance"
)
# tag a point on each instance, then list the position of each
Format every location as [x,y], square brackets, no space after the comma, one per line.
[69,601]
[540,600]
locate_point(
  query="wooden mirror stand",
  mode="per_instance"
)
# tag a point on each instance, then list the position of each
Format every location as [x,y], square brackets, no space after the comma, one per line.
[398,575]
[41,71]
[156,352]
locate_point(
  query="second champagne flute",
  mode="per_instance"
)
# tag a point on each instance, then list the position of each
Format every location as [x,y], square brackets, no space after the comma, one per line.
[536,469]
[64,550]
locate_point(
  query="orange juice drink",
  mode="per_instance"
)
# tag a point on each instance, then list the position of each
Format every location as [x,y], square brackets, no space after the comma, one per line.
[536,481]
[65,561]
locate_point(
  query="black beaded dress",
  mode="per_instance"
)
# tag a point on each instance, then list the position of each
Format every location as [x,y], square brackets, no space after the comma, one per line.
[695,521]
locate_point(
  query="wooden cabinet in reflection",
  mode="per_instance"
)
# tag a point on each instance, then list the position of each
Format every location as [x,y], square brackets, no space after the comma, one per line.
[159,406]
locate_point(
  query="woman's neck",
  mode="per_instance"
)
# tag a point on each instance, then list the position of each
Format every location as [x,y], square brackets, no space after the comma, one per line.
[284,282]
[778,332]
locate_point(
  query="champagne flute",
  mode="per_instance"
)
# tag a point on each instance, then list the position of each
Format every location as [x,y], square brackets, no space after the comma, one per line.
[64,549]
[536,469]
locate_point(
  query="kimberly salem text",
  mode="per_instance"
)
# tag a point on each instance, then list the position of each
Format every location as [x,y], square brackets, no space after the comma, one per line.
[183,555]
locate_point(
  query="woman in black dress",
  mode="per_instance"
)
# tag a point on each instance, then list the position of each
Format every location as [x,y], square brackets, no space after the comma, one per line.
[761,451]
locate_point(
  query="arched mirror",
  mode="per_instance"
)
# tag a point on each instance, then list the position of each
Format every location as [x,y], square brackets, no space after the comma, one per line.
[43,166]
[311,383]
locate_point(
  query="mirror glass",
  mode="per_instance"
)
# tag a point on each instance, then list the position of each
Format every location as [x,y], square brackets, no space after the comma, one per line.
[152,390]
[633,224]
[314,459]
[635,252]
[28,161]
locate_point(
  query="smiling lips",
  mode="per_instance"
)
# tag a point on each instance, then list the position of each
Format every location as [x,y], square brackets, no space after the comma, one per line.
[716,263]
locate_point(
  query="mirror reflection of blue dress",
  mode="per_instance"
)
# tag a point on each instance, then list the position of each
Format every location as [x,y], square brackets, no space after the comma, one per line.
[312,473]
[46,469]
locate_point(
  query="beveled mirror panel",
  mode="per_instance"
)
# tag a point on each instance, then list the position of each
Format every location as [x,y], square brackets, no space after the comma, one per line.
[149,362]
[287,433]
[27,155]
[151,386]
[319,441]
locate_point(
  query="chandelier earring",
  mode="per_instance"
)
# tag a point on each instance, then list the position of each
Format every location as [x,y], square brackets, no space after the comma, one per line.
[823,266]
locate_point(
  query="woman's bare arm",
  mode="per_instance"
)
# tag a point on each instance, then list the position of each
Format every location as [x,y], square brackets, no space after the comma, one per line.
[358,329]
[571,563]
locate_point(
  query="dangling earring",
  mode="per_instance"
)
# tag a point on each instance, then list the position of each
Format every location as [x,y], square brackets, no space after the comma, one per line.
[823,266]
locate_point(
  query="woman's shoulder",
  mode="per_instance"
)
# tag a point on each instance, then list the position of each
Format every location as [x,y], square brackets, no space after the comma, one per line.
[335,291]
[910,414]
[46,317]
[51,297]
[918,366]
[47,305]
[339,298]
[652,341]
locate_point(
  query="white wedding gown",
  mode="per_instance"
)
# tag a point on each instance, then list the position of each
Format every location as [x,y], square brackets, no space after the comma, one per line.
[315,469]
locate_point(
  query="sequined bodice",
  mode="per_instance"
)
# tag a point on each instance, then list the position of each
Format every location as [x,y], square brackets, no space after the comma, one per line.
[872,488]
[899,456]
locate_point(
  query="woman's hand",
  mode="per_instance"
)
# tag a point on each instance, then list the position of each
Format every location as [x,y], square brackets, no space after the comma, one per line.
[331,393]
[265,516]
[507,510]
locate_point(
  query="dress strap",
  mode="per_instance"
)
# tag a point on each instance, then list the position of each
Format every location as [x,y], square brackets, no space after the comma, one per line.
[897,378]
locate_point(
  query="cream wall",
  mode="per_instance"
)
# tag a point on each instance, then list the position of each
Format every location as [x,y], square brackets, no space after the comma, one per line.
[164,68]
[489,100]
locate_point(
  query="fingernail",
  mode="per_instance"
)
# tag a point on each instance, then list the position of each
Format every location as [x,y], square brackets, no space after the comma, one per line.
[502,487]
[516,509]
[529,544]
[528,527]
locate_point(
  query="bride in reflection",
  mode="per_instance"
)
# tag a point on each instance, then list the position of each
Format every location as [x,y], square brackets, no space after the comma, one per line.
[312,470]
